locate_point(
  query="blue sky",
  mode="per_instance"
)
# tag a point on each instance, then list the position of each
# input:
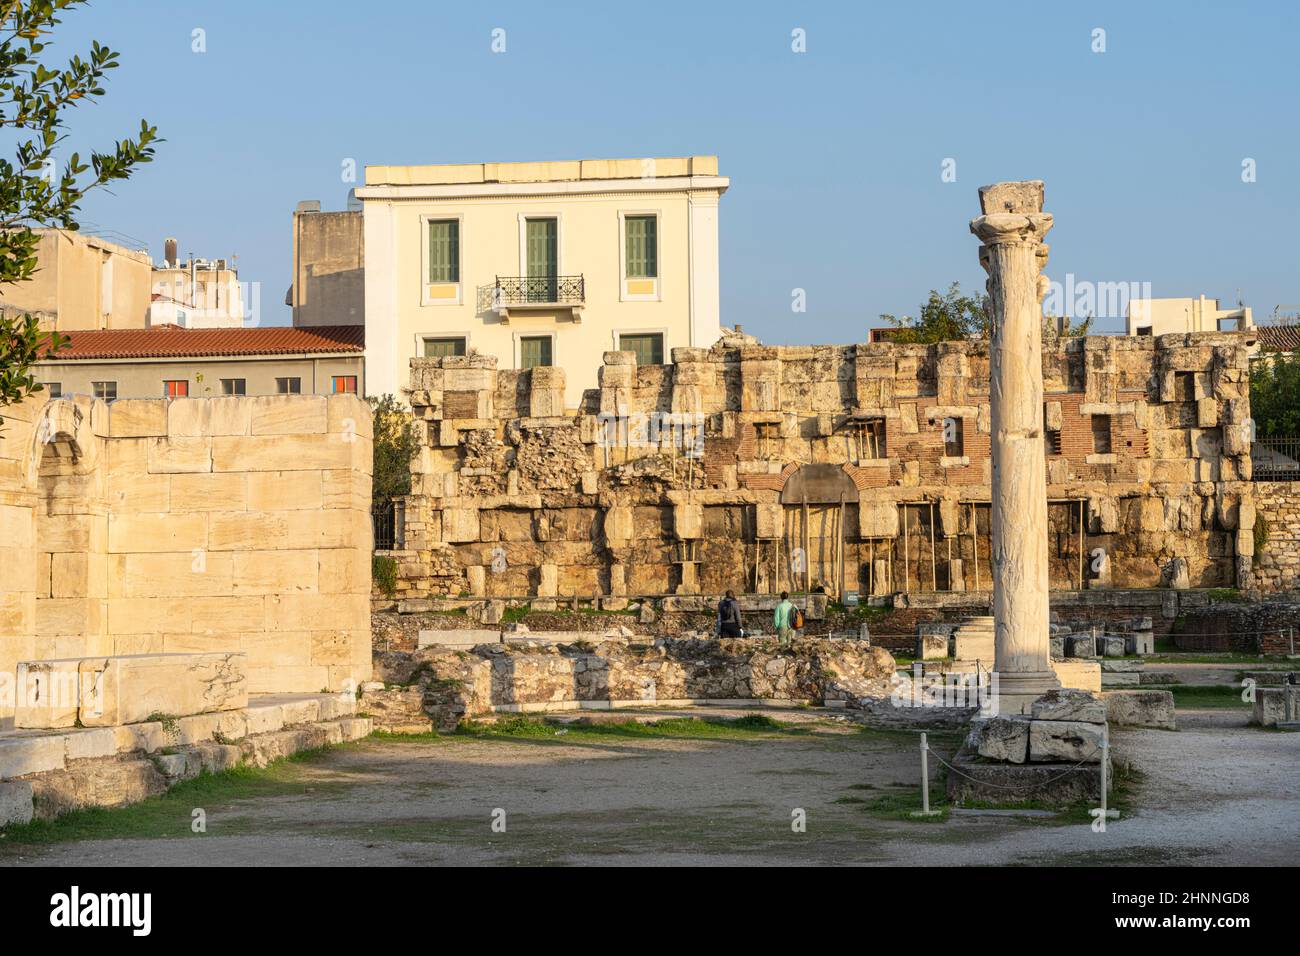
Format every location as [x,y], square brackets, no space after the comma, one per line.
[835,154]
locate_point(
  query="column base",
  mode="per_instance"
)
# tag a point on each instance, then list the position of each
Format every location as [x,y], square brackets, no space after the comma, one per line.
[1019,689]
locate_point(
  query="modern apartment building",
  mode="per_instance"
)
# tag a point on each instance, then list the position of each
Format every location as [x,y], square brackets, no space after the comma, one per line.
[83,281]
[548,263]
[1163,316]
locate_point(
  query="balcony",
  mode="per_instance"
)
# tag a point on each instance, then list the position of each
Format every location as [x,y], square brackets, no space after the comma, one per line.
[538,292]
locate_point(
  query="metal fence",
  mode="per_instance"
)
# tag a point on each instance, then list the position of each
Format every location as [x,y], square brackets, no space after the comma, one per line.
[1275,459]
[383,517]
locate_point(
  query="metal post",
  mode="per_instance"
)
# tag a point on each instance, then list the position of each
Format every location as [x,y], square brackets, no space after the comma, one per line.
[925,775]
[1105,762]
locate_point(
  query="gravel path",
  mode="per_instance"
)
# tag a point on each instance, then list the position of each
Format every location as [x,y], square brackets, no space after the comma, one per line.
[1214,792]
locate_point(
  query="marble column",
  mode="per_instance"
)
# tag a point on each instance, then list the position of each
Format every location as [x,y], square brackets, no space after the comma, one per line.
[1013,254]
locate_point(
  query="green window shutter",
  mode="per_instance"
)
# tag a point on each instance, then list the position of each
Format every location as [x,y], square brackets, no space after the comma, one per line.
[444,250]
[542,249]
[649,348]
[438,348]
[534,351]
[642,247]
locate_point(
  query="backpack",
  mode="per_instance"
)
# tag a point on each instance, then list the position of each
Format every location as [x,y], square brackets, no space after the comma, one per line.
[796,619]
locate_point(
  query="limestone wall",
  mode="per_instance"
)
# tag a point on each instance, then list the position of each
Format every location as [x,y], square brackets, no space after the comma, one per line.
[189,525]
[1277,558]
[693,477]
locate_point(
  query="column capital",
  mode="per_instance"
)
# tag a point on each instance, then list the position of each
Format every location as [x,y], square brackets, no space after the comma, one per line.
[1000,228]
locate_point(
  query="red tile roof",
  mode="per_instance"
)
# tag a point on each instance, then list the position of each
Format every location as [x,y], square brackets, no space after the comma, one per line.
[1279,338]
[169,341]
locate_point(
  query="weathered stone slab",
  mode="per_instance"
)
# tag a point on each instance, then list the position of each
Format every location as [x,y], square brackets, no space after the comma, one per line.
[931,646]
[1001,738]
[30,754]
[1079,674]
[1068,741]
[1140,708]
[48,693]
[462,637]
[128,689]
[1069,704]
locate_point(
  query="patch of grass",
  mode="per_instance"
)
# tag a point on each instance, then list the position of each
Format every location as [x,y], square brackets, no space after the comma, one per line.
[170,814]
[426,737]
[383,571]
[1208,695]
[532,728]
[1225,596]
[901,804]
[515,613]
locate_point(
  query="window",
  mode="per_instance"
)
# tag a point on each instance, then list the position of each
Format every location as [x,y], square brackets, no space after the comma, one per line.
[105,390]
[542,260]
[54,388]
[438,348]
[642,246]
[1101,434]
[233,386]
[867,439]
[954,437]
[444,250]
[649,347]
[345,384]
[176,387]
[288,386]
[534,350]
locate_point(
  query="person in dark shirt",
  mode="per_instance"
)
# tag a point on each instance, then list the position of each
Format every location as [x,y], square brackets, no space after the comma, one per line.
[729,616]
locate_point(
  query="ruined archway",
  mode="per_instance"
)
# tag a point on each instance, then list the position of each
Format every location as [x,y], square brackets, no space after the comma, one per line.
[820,504]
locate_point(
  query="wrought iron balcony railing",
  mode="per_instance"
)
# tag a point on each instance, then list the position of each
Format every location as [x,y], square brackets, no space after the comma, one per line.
[538,290]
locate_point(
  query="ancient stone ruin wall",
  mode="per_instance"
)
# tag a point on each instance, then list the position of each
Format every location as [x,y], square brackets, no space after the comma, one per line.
[186,526]
[863,468]
[1277,538]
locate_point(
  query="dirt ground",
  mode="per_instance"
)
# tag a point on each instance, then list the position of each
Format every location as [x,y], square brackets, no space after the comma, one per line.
[1214,792]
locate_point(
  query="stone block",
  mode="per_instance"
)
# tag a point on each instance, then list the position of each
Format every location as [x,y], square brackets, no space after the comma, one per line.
[1140,708]
[1001,738]
[1140,642]
[877,519]
[15,802]
[1078,674]
[458,637]
[1068,704]
[688,521]
[1068,741]
[172,455]
[36,754]
[138,418]
[769,520]
[126,690]
[460,525]
[48,693]
[1111,645]
[618,524]
[1082,645]
[287,414]
[547,580]
[84,744]
[931,646]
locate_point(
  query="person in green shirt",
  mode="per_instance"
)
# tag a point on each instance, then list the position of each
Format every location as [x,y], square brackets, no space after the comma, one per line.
[782,619]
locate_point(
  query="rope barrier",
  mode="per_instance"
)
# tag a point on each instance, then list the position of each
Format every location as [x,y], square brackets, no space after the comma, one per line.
[997,786]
